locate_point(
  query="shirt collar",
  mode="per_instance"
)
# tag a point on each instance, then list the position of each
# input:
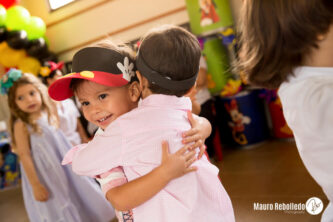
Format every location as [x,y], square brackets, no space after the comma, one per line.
[304,72]
[166,101]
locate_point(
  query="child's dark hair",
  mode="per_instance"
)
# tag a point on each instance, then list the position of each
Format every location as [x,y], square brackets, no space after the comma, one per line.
[277,35]
[172,52]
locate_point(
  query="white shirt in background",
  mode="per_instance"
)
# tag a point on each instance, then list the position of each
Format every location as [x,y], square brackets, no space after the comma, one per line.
[68,116]
[307,101]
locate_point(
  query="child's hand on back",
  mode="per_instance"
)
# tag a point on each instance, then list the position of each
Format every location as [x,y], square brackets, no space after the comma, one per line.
[177,164]
[195,135]
[40,192]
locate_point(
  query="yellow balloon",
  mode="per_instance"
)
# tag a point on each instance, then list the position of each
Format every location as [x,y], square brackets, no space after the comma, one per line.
[29,65]
[10,57]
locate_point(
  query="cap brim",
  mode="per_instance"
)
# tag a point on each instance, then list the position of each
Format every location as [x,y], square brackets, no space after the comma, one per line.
[60,89]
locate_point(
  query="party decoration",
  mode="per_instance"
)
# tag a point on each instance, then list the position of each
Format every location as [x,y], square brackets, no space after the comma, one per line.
[17,39]
[8,3]
[30,65]
[3,34]
[8,79]
[232,88]
[10,57]
[3,14]
[17,18]
[280,127]
[217,64]
[241,119]
[35,28]
[208,15]
[22,39]
[37,48]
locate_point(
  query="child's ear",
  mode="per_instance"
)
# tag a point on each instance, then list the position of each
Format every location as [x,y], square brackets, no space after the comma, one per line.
[191,92]
[135,91]
[139,76]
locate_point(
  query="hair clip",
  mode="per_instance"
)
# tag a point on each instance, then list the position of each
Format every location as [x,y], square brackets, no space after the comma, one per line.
[8,79]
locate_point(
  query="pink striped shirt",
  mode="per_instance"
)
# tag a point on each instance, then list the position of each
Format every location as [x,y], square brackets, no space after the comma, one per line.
[133,141]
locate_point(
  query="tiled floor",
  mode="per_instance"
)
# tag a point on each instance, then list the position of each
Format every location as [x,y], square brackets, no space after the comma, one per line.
[268,173]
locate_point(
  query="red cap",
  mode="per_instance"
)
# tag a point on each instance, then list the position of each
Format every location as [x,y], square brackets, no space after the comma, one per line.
[100,65]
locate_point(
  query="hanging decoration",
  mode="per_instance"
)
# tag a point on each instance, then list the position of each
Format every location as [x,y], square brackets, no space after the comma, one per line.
[23,43]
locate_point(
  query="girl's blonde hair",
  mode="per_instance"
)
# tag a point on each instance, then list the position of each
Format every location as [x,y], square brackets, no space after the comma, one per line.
[16,113]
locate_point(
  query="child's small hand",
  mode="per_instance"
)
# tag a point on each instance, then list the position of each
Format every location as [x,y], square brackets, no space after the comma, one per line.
[40,193]
[195,135]
[177,164]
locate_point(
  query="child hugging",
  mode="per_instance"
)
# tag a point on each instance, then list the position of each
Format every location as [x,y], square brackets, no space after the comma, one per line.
[167,63]
[51,192]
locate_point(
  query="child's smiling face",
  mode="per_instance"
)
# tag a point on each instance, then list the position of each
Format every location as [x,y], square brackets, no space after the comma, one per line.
[103,104]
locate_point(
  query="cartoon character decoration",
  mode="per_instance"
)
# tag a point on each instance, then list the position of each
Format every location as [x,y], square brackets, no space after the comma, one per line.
[208,12]
[282,129]
[9,168]
[238,121]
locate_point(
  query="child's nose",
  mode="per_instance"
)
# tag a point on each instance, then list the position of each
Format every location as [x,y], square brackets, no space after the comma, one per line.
[97,108]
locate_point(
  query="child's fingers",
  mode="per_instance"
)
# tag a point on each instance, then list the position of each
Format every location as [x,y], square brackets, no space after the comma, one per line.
[198,143]
[190,132]
[191,139]
[189,155]
[190,161]
[165,149]
[202,151]
[190,118]
[190,169]
[182,150]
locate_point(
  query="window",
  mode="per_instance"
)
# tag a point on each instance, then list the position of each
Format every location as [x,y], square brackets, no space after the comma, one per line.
[55,4]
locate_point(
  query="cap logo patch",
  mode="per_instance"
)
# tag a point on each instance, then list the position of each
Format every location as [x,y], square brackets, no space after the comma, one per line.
[87,74]
[126,69]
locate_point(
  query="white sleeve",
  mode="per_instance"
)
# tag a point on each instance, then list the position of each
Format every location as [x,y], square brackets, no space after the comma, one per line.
[318,110]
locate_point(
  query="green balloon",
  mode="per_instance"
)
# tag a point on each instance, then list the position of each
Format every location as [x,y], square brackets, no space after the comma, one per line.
[17,18]
[36,28]
[2,15]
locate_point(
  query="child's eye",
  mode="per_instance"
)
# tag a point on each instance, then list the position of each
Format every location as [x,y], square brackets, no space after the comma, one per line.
[20,98]
[85,103]
[102,96]
[32,93]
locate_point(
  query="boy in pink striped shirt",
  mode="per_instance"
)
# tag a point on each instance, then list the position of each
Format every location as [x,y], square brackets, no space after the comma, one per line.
[167,63]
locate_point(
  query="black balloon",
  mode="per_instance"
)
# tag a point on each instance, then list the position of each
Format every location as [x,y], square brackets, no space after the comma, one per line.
[3,34]
[37,48]
[17,39]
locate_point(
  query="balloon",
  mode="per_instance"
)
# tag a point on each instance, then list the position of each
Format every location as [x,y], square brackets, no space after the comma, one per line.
[17,39]
[30,65]
[10,57]
[36,28]
[3,34]
[17,18]
[8,3]
[3,14]
[37,47]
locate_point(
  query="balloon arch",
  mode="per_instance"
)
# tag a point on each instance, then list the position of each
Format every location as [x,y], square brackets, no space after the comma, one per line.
[23,44]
